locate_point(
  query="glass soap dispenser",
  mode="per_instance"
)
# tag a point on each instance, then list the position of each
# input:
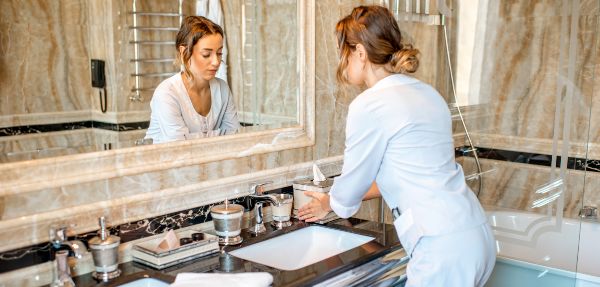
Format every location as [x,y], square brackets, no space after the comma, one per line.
[105,251]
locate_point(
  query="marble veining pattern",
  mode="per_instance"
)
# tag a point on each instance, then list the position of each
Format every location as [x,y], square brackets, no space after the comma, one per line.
[524,65]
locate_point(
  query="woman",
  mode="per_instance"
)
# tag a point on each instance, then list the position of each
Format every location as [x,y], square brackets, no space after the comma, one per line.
[194,103]
[399,145]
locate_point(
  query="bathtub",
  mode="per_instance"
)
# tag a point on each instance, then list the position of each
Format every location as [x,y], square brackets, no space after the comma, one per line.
[538,250]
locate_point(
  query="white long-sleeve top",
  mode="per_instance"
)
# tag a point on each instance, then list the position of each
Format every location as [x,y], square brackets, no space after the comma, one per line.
[173,116]
[399,134]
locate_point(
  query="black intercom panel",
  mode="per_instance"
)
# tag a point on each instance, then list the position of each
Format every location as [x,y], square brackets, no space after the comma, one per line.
[98,77]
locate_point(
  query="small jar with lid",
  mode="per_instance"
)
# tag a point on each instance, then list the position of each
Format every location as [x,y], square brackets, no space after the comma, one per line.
[227,219]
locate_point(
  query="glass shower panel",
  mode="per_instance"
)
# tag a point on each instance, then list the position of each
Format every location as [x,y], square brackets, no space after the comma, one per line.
[524,84]
[588,260]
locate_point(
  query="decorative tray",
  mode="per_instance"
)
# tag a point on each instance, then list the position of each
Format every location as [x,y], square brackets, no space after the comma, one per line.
[149,253]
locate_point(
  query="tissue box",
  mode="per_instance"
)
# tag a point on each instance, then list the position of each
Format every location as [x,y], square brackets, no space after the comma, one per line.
[300,186]
[148,253]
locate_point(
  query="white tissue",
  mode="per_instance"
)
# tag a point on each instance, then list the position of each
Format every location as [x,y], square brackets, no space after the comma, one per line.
[317,175]
[257,279]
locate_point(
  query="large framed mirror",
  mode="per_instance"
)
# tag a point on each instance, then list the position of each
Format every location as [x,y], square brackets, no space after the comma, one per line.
[53,127]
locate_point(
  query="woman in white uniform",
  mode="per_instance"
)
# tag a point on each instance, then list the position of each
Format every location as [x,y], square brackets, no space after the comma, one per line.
[194,103]
[399,146]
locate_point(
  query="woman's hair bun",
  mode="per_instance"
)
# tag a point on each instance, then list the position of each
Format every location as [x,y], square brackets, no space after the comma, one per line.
[405,60]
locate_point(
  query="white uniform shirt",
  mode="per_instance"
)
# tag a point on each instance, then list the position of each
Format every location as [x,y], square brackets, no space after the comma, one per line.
[174,117]
[399,134]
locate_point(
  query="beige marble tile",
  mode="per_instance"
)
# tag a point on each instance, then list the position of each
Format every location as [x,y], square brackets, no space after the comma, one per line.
[58,35]
[43,145]
[544,8]
[520,80]
[514,185]
[594,71]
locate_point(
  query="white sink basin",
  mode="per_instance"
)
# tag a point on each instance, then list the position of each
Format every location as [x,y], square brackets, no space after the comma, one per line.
[301,248]
[146,282]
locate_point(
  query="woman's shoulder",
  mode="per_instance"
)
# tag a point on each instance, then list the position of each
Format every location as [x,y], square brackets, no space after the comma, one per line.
[222,87]
[221,83]
[169,88]
[171,83]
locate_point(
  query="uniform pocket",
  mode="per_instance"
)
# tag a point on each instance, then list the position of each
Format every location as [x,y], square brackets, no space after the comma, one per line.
[408,232]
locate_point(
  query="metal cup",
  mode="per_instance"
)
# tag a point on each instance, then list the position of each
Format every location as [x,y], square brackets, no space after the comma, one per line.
[227,219]
[282,211]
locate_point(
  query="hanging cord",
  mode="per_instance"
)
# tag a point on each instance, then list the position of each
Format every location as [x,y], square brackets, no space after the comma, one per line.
[103,100]
[473,150]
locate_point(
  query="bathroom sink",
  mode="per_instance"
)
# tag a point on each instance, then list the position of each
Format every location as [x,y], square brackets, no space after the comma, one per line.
[301,247]
[146,282]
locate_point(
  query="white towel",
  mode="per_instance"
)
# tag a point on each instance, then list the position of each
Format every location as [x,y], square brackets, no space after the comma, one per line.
[211,9]
[257,279]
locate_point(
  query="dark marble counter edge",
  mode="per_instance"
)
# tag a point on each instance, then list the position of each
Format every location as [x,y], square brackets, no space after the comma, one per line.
[46,128]
[57,127]
[385,242]
[515,156]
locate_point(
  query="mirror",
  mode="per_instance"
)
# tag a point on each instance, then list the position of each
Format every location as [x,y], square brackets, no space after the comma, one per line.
[50,108]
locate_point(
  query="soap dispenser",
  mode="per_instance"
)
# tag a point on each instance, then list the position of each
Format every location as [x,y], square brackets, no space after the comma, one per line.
[105,251]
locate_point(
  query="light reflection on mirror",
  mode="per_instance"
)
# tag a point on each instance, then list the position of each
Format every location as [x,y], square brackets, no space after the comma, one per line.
[48,106]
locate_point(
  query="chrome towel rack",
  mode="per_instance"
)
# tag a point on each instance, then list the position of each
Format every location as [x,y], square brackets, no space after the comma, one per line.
[139,44]
[419,11]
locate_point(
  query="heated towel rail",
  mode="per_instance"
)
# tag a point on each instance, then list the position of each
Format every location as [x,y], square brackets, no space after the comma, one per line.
[139,44]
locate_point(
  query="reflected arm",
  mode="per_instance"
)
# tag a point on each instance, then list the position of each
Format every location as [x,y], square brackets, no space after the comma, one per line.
[166,110]
[230,123]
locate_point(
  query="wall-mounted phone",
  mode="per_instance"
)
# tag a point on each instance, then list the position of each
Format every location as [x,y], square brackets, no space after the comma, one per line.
[99,81]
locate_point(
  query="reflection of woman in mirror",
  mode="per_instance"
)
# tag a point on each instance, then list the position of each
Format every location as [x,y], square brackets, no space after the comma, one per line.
[194,103]
[399,146]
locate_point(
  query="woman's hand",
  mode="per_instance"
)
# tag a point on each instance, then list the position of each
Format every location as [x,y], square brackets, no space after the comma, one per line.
[317,208]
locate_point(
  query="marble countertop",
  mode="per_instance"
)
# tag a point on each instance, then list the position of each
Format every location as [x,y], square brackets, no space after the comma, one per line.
[385,242]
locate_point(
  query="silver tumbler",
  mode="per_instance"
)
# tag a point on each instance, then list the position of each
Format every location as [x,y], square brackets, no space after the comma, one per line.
[227,219]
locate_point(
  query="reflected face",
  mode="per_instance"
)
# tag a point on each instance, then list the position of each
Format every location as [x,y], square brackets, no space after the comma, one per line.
[206,57]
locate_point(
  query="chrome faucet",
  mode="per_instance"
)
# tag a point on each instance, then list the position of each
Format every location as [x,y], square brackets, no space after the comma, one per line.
[58,238]
[62,273]
[257,193]
[589,213]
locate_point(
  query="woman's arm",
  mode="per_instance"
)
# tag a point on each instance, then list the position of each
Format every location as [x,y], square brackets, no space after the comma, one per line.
[373,192]
[366,144]
[167,111]
[230,123]
[319,206]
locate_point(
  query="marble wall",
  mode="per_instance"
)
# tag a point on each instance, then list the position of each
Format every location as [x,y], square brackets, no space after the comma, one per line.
[537,91]
[45,61]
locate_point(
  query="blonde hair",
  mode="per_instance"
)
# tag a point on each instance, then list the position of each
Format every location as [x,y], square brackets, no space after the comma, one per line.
[193,28]
[375,28]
